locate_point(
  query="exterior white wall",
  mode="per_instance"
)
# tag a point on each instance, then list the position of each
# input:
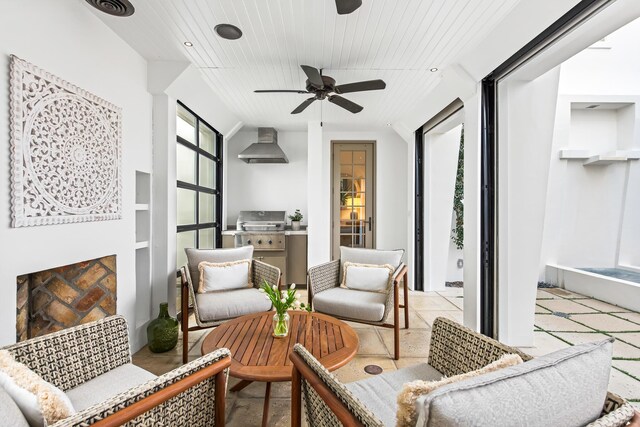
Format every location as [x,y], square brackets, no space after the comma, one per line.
[592,211]
[170,83]
[266,186]
[454,273]
[525,133]
[66,39]
[441,149]
[318,197]
[471,250]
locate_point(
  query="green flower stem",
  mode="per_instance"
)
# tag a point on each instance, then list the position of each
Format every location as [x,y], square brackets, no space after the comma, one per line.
[281,326]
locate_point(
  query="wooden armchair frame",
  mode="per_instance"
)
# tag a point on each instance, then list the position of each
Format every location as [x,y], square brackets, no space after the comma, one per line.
[326,276]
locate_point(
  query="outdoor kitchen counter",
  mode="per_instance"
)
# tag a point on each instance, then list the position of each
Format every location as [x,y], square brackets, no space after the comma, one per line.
[286,232]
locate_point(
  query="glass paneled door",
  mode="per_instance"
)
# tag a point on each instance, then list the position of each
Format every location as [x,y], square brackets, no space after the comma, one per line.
[353,192]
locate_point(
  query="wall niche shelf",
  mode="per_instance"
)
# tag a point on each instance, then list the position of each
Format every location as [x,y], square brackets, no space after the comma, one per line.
[143,248]
[142,245]
[591,159]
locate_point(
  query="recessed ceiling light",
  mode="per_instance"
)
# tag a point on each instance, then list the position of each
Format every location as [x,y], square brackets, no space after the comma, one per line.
[188,44]
[433,70]
[228,31]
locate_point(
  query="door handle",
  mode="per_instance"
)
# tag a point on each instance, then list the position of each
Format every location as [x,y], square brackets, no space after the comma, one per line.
[370,221]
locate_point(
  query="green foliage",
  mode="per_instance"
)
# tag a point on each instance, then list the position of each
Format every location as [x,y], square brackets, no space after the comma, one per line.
[297,216]
[457,233]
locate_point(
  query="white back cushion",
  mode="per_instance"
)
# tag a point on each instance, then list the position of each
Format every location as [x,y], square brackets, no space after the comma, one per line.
[224,276]
[196,256]
[367,277]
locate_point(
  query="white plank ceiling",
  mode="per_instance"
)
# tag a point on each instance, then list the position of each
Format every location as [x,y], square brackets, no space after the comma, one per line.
[394,40]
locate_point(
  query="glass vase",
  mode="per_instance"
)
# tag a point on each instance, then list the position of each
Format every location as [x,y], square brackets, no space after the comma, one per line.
[162,333]
[281,325]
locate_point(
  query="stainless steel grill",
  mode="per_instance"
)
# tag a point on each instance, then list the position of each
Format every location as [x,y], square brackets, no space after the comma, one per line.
[262,229]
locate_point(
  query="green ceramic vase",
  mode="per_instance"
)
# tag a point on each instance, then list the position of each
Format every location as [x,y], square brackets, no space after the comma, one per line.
[162,333]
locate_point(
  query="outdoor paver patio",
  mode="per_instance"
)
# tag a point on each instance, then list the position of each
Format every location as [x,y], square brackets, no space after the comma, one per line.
[577,327]
[591,320]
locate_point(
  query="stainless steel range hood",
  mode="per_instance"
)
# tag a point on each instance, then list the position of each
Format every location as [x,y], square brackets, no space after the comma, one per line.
[266,150]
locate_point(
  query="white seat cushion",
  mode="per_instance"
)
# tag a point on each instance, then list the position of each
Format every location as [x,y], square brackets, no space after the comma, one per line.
[108,385]
[380,393]
[9,412]
[357,305]
[215,306]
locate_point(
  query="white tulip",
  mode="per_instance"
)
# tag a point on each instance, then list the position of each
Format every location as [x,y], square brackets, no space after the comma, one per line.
[293,286]
[274,287]
[261,290]
[283,300]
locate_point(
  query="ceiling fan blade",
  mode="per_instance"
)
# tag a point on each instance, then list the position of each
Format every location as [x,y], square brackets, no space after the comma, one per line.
[345,103]
[345,7]
[280,91]
[300,108]
[313,75]
[361,86]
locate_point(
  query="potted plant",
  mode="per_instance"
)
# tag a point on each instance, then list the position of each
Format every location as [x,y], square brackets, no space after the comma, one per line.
[295,220]
[282,301]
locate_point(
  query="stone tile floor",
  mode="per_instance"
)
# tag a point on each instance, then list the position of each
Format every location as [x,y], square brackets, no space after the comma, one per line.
[565,318]
[562,319]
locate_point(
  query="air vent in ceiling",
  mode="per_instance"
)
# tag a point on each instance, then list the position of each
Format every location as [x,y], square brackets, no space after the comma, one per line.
[113,7]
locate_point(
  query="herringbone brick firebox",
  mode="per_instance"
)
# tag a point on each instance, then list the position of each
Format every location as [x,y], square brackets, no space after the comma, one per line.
[62,297]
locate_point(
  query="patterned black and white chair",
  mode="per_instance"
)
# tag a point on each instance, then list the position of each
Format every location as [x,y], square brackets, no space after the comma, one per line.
[92,365]
[214,308]
[357,304]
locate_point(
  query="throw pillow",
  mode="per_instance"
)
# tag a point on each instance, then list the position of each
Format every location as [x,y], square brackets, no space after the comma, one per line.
[367,277]
[41,402]
[411,391]
[224,276]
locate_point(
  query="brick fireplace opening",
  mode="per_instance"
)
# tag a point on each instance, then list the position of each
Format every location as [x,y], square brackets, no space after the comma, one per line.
[62,297]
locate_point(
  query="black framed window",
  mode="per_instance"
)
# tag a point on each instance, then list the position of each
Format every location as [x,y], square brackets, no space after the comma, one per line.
[199,183]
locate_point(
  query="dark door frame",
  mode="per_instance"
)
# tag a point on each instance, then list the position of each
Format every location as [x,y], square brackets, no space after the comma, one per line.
[489,156]
[419,235]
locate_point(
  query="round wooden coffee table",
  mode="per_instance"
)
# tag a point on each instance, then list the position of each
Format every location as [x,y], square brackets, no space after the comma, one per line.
[257,356]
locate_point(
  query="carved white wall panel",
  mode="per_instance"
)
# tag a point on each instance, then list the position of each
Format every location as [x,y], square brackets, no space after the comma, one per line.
[65,151]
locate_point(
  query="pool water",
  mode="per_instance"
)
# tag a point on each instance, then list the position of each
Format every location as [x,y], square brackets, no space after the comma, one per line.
[617,273]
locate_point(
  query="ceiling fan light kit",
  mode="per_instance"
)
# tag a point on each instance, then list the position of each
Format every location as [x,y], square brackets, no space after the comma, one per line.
[324,87]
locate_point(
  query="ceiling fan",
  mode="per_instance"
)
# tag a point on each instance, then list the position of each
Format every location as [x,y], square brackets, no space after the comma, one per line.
[324,87]
[345,7]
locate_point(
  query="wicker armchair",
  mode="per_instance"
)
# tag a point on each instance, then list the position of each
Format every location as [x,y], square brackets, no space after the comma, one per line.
[247,301]
[326,276]
[453,350]
[191,395]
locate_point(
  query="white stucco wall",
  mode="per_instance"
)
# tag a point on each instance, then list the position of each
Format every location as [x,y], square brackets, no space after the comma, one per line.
[525,130]
[264,186]
[441,147]
[592,211]
[66,39]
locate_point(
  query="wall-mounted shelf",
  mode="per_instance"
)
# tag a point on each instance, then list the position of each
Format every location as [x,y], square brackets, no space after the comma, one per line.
[143,248]
[573,154]
[591,159]
[142,245]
